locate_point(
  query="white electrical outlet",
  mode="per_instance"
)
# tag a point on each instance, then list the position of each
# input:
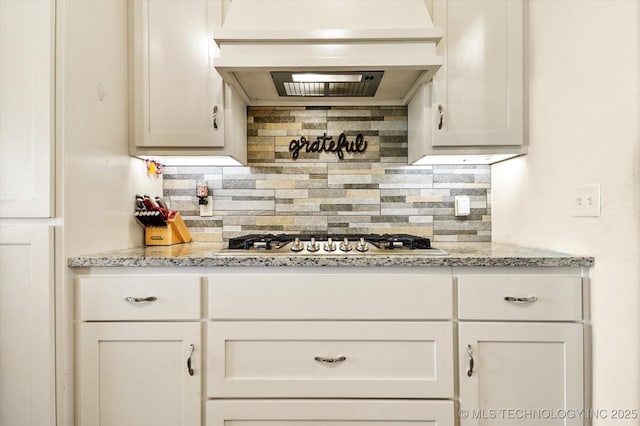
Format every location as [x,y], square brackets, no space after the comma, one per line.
[207,209]
[462,205]
[586,201]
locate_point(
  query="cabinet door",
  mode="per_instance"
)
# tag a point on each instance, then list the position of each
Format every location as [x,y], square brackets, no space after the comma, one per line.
[520,369]
[177,94]
[136,374]
[26,111]
[478,91]
[26,326]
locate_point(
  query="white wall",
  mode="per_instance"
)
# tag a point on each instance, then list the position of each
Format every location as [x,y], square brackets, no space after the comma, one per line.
[585,128]
[100,178]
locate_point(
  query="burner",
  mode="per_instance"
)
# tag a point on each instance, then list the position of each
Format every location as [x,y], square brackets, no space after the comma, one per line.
[405,240]
[246,242]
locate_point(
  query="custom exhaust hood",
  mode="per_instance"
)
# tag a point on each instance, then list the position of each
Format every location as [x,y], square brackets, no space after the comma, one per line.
[333,52]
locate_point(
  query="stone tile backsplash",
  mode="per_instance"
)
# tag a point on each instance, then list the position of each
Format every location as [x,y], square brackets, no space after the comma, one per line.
[371,192]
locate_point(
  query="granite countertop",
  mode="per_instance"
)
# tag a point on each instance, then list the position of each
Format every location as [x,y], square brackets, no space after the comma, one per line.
[211,255]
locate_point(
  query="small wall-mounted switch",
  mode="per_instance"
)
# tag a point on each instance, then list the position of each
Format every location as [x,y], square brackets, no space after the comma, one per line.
[462,205]
[206,209]
[586,201]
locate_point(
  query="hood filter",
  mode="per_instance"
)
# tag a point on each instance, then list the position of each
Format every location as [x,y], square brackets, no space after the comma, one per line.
[327,84]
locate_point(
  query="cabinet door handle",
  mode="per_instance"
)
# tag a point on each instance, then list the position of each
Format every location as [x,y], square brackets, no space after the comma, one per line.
[330,360]
[471,364]
[529,299]
[140,299]
[441,113]
[215,117]
[189,353]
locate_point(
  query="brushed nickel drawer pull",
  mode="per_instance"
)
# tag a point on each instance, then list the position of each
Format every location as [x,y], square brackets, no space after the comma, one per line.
[189,353]
[140,299]
[470,355]
[330,360]
[529,299]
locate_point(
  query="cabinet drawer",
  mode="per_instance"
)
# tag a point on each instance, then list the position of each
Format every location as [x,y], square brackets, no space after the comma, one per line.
[330,412]
[330,296]
[330,359]
[530,297]
[117,298]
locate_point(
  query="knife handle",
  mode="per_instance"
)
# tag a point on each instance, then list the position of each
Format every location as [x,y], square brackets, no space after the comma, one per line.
[149,203]
[160,202]
[140,202]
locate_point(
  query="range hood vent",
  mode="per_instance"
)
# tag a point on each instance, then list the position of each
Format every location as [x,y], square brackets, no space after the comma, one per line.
[327,84]
[376,52]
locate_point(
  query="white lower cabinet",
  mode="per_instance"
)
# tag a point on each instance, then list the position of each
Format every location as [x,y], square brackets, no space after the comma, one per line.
[513,372]
[329,412]
[146,370]
[357,348]
[380,353]
[27,372]
[520,373]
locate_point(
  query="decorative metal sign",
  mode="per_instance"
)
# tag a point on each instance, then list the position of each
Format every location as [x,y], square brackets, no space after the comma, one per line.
[326,143]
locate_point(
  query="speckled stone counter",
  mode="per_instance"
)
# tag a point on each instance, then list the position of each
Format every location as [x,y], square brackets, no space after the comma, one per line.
[212,255]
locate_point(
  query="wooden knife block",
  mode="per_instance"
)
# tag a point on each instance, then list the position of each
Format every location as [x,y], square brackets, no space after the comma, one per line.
[175,232]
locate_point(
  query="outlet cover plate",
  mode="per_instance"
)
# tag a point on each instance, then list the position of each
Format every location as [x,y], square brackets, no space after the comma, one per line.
[462,205]
[207,209]
[586,201]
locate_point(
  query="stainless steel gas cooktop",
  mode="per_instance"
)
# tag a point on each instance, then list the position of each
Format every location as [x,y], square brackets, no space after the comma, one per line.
[333,244]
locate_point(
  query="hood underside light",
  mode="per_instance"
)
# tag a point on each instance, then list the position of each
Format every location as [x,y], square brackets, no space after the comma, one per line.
[327,84]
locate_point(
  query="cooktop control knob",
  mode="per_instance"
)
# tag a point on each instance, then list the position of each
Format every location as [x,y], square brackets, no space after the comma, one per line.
[362,246]
[297,245]
[345,246]
[313,246]
[329,245]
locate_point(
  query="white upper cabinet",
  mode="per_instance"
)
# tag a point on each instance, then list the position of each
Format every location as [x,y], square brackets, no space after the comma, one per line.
[475,104]
[26,107]
[179,103]
[478,92]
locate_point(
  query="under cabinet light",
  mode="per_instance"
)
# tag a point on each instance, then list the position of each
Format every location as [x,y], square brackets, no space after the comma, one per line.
[462,159]
[212,160]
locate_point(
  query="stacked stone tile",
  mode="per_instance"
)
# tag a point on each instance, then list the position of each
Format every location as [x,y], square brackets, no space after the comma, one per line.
[371,192]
